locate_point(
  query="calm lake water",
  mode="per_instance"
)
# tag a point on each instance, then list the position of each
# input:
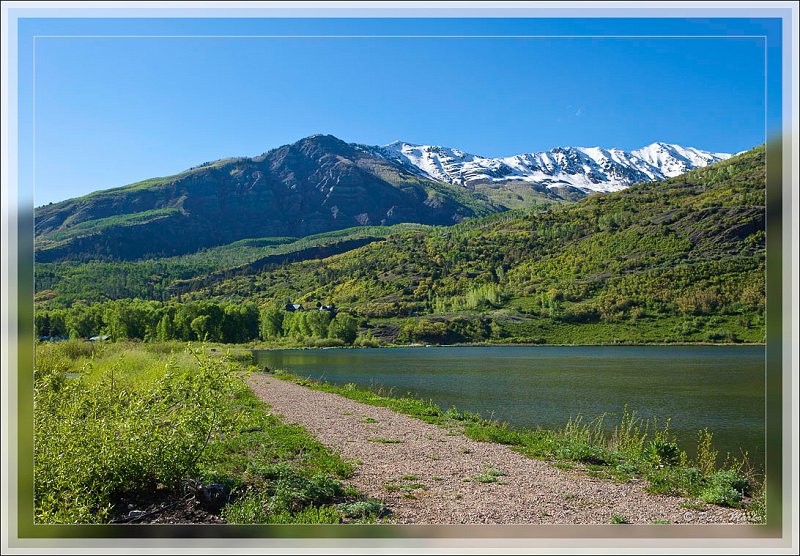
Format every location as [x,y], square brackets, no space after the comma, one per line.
[718,387]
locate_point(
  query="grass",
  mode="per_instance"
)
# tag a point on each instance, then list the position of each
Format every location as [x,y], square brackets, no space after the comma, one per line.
[489,475]
[135,422]
[407,487]
[693,505]
[385,440]
[618,519]
[636,448]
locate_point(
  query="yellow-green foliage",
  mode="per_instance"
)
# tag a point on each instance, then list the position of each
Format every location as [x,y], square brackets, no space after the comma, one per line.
[124,430]
[677,261]
[652,249]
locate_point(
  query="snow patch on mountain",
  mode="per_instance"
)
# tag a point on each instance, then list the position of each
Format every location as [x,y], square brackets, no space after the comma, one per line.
[591,169]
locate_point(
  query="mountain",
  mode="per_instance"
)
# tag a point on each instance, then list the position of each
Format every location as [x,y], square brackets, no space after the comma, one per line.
[315,185]
[679,260]
[576,169]
[321,183]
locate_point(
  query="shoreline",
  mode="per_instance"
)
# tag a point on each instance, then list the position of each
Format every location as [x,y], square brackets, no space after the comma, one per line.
[431,466]
[521,344]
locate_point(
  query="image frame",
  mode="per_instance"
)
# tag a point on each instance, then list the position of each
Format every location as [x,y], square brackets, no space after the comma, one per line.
[780,347]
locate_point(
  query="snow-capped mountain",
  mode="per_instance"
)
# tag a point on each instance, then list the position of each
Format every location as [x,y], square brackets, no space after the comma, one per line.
[587,169]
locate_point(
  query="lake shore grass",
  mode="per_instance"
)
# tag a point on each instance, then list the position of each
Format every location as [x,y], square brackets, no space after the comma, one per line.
[636,449]
[296,345]
[168,433]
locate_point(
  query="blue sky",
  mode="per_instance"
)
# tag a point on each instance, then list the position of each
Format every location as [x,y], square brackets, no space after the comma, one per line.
[111,111]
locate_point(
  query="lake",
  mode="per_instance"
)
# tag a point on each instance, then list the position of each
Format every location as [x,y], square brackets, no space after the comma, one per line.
[716,387]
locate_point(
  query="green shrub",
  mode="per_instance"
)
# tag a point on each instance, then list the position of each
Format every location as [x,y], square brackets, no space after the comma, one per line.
[292,492]
[251,509]
[677,481]
[726,488]
[366,341]
[706,455]
[362,509]
[269,472]
[458,415]
[50,360]
[721,494]
[663,452]
[74,349]
[96,441]
[254,509]
[757,510]
[586,453]
[287,498]
[309,516]
[492,433]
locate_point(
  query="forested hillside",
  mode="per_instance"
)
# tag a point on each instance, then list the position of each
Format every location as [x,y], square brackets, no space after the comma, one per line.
[688,248]
[680,260]
[60,284]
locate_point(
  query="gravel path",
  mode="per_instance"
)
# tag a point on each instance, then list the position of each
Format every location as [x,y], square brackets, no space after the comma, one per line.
[427,474]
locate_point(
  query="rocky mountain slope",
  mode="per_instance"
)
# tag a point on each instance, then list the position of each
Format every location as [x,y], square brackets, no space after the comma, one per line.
[315,185]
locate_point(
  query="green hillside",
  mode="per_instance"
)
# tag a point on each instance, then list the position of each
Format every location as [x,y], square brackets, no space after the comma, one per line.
[675,261]
[60,284]
[689,250]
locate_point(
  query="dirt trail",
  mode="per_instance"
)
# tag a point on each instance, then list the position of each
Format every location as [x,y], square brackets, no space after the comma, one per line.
[427,474]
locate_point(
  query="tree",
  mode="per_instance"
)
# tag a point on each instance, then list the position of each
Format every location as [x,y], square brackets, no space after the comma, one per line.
[83,321]
[318,322]
[240,323]
[344,327]
[271,322]
[200,326]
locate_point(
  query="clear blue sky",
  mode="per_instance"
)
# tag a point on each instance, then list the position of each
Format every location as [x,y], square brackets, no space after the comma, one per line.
[111,111]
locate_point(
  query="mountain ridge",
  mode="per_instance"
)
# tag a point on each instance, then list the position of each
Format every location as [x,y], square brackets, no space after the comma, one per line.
[321,183]
[315,185]
[589,169]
